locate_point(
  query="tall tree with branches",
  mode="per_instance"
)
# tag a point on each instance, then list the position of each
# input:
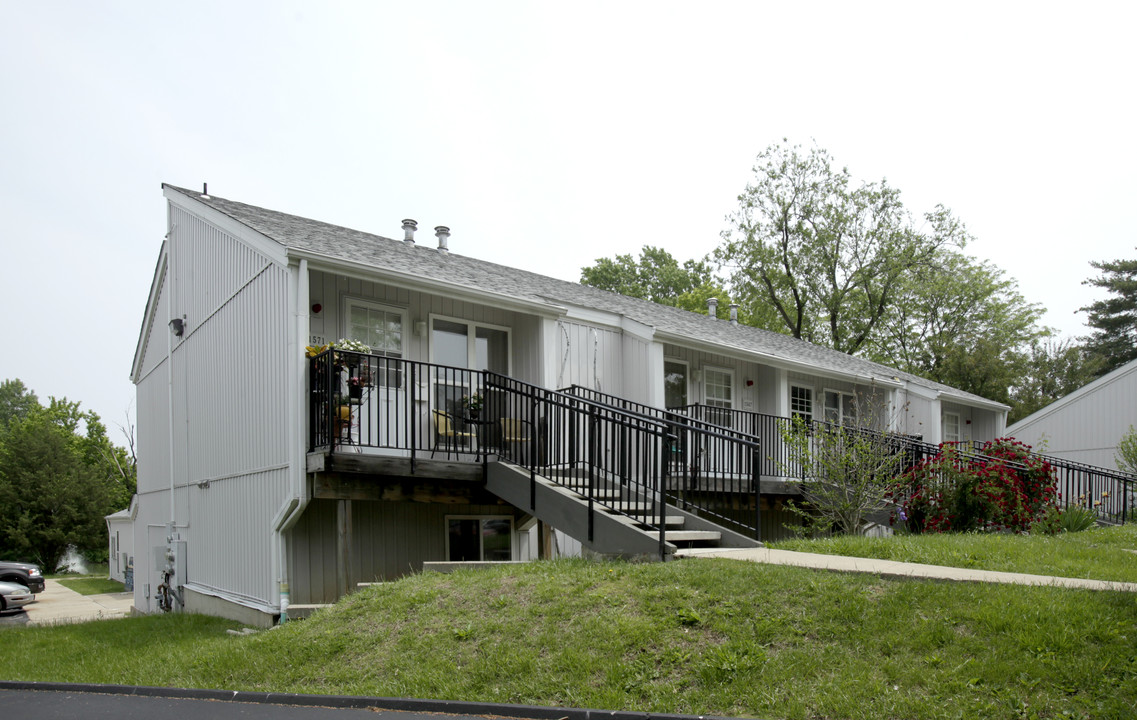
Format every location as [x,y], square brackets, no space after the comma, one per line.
[829,255]
[1114,320]
[59,477]
[962,322]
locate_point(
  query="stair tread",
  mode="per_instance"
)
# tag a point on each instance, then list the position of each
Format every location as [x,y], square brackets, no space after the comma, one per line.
[672,520]
[689,535]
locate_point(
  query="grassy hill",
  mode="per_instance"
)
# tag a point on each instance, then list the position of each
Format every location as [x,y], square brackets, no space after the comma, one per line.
[696,636]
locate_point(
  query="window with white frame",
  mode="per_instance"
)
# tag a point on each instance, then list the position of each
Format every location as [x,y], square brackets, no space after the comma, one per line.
[465,344]
[718,387]
[840,407]
[381,328]
[479,538]
[718,394]
[801,402]
[952,431]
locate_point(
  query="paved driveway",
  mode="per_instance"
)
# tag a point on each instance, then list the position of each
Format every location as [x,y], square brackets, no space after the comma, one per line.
[58,604]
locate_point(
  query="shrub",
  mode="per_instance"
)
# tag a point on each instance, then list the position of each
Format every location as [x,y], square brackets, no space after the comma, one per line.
[1126,458]
[1077,519]
[1002,488]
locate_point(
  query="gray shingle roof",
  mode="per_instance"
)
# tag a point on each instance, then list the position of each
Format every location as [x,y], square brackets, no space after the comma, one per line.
[380,253]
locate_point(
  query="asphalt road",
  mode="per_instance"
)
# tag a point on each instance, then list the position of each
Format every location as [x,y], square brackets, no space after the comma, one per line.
[13,618]
[57,705]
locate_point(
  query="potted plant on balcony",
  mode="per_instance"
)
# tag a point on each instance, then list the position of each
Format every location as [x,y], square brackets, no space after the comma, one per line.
[349,348]
[473,404]
[355,389]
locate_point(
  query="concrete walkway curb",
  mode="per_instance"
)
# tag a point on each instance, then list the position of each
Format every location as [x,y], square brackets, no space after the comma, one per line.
[535,712]
[894,569]
[58,605]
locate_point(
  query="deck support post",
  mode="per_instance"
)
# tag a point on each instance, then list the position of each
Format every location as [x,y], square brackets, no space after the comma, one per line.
[343,547]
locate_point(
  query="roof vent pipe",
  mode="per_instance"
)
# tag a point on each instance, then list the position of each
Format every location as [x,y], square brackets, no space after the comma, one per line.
[409,227]
[734,313]
[713,307]
[443,234]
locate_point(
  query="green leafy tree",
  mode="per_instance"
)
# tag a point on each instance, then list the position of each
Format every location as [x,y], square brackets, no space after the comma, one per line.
[656,276]
[828,255]
[59,477]
[16,401]
[659,277]
[961,322]
[1126,457]
[1114,320]
[1052,370]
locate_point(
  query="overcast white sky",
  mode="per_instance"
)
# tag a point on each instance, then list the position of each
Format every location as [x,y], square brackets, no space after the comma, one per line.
[544,134]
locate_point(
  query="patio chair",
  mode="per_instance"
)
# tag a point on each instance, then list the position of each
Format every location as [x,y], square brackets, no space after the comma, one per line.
[444,432]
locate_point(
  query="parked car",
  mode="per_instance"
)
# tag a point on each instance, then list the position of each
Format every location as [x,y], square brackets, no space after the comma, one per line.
[25,574]
[14,595]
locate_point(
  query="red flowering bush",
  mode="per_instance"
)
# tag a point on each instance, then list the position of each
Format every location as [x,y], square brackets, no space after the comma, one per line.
[1002,487]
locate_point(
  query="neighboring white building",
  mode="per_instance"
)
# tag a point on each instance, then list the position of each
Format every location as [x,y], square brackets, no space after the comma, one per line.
[1086,425]
[120,547]
[245,510]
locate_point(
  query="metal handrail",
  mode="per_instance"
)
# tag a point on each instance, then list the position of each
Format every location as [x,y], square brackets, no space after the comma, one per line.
[715,471]
[615,459]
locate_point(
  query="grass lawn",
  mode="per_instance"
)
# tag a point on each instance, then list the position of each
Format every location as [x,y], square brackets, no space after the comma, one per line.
[1105,553]
[91,585]
[700,636]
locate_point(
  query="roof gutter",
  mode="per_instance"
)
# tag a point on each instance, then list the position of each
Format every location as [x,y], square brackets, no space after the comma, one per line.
[973,402]
[319,261]
[775,360]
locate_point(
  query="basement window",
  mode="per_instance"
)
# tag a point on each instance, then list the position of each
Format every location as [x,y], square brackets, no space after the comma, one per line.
[473,539]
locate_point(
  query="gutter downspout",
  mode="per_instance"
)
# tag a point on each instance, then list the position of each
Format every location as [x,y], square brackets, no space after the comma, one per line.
[294,506]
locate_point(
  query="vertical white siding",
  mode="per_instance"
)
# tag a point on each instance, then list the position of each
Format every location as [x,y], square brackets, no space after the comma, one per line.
[153,439]
[638,371]
[1088,427]
[152,401]
[589,357]
[235,513]
[917,417]
[229,413]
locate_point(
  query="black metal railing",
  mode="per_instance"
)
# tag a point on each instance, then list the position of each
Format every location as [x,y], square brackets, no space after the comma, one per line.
[714,471]
[1110,494]
[414,408]
[614,459]
[711,462]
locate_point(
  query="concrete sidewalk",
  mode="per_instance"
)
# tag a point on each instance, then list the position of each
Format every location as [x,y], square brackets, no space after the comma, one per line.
[59,604]
[893,569]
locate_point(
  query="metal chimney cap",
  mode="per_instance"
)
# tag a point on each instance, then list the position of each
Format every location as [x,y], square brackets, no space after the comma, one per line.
[443,234]
[409,227]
